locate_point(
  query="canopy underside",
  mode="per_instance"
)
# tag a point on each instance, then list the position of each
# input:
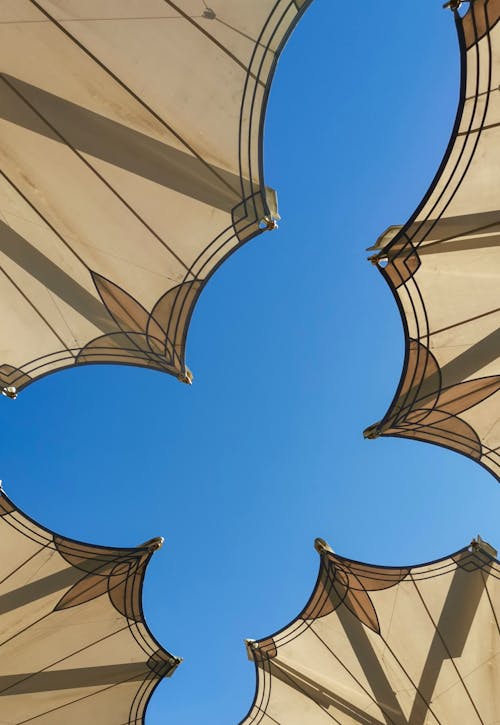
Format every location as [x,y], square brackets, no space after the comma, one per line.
[131,166]
[387,646]
[75,647]
[443,267]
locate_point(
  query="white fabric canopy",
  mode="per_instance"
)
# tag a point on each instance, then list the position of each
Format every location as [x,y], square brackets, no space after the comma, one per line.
[130,167]
[74,645]
[415,645]
[443,267]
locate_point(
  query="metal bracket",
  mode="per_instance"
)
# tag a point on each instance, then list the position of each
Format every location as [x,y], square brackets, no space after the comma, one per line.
[10,392]
[153,544]
[251,645]
[268,224]
[479,544]
[322,546]
[186,377]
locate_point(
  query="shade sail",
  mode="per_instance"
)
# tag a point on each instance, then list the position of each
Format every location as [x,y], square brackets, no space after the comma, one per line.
[416,645]
[131,166]
[443,267]
[74,646]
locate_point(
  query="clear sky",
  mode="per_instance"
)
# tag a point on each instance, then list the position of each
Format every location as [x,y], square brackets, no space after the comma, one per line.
[296,346]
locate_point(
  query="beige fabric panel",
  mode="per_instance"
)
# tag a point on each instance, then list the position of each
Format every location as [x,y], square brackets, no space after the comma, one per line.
[444,268]
[236,27]
[421,647]
[131,153]
[74,644]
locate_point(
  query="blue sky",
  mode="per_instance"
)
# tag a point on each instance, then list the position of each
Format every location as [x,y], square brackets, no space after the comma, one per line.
[296,346]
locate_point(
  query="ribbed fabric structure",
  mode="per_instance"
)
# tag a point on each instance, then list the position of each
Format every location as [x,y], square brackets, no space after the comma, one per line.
[74,645]
[131,167]
[443,268]
[415,645]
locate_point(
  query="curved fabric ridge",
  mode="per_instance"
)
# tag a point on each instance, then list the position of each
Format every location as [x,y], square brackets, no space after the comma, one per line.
[443,268]
[413,645]
[74,645]
[131,167]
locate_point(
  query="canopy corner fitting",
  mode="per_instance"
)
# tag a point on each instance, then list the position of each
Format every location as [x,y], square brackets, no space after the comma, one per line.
[176,661]
[378,259]
[268,224]
[322,546]
[153,544]
[186,376]
[479,544]
[10,392]
[251,646]
[372,432]
[453,5]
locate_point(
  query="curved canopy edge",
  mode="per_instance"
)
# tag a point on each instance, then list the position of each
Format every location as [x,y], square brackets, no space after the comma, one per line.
[443,270]
[381,644]
[132,166]
[75,646]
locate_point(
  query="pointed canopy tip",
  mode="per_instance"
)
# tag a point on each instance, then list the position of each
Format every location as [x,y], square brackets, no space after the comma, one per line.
[176,661]
[384,239]
[251,645]
[186,377]
[453,5]
[372,432]
[479,544]
[322,546]
[154,543]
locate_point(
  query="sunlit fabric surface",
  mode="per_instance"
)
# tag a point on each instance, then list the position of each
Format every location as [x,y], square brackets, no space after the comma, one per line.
[131,166]
[444,270]
[416,645]
[74,646]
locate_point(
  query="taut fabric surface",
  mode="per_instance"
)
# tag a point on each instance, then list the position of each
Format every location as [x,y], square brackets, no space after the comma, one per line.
[74,646]
[416,645]
[131,166]
[444,270]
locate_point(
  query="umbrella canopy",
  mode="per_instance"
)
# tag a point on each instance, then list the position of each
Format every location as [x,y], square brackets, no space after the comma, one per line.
[387,646]
[74,646]
[443,267]
[131,167]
